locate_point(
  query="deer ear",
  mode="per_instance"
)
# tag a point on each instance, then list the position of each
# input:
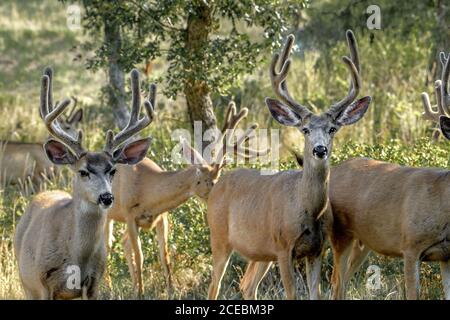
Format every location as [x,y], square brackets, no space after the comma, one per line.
[76,117]
[58,153]
[282,113]
[445,126]
[354,111]
[191,155]
[133,152]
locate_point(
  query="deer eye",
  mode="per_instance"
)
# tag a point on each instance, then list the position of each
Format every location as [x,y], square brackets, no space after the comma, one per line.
[305,131]
[332,130]
[83,173]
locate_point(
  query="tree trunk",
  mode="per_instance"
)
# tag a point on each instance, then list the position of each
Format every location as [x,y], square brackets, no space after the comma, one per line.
[116,85]
[196,90]
[441,35]
[443,26]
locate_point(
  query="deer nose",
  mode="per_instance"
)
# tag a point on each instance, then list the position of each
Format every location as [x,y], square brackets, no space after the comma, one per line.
[320,152]
[106,199]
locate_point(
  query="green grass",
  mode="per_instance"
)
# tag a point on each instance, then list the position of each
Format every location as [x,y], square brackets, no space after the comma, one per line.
[33,34]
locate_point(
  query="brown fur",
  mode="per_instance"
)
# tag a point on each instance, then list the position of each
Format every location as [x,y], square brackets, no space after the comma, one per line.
[393,210]
[143,195]
[284,216]
[59,230]
[62,233]
[22,160]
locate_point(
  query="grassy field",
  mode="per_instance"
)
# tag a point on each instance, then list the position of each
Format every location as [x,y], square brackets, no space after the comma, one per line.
[33,34]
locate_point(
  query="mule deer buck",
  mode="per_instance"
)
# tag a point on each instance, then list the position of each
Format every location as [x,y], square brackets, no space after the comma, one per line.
[23,160]
[286,215]
[145,193]
[61,233]
[398,211]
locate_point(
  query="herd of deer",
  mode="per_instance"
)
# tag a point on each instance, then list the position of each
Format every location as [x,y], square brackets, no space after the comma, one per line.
[359,205]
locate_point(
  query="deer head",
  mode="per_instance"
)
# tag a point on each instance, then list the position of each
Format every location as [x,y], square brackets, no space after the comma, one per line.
[229,142]
[441,92]
[319,130]
[95,170]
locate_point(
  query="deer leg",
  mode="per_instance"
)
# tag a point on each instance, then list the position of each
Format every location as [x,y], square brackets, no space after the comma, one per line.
[313,269]
[93,295]
[92,289]
[109,238]
[255,272]
[287,274]
[162,230]
[357,258]
[341,250]
[29,294]
[45,294]
[129,256]
[220,256]
[412,277]
[84,293]
[133,238]
[445,273]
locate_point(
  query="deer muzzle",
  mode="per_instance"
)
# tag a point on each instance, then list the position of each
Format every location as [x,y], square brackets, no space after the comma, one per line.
[106,199]
[320,152]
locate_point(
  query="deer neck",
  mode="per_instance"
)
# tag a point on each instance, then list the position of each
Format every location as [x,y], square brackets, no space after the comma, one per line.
[88,230]
[314,185]
[180,187]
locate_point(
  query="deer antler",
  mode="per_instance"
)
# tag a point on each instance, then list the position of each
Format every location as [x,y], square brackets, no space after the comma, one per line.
[278,79]
[134,124]
[231,121]
[48,71]
[50,114]
[74,107]
[441,94]
[354,67]
[445,96]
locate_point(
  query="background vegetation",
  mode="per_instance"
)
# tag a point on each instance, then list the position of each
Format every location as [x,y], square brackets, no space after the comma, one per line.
[398,63]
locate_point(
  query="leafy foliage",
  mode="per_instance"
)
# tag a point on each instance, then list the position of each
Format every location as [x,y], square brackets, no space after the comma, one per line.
[158,28]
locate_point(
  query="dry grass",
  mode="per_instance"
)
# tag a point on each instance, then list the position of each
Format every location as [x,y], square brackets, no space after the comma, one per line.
[33,34]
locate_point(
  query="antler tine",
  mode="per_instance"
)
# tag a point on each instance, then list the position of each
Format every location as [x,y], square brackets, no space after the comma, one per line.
[353,47]
[134,124]
[441,94]
[152,95]
[354,67]
[445,97]
[229,114]
[247,152]
[278,79]
[438,94]
[48,71]
[231,125]
[428,113]
[74,107]
[58,133]
[231,120]
[443,58]
[43,107]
